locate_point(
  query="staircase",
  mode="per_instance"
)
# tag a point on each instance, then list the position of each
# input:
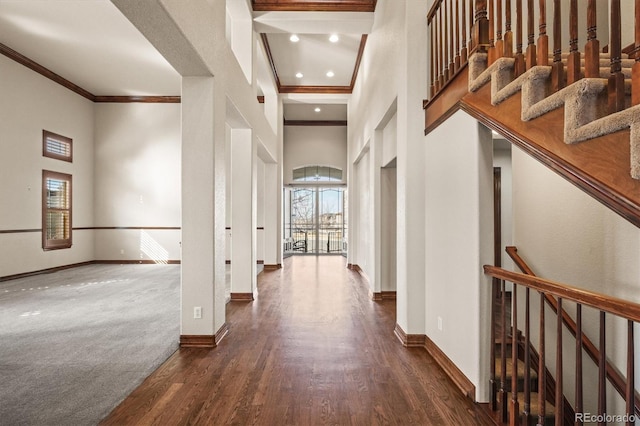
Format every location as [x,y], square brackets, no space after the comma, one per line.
[578,113]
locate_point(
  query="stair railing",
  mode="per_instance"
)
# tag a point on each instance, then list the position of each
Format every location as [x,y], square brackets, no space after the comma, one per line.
[459,28]
[617,380]
[563,293]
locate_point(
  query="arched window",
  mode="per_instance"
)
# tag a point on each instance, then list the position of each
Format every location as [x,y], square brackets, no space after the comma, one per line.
[317,174]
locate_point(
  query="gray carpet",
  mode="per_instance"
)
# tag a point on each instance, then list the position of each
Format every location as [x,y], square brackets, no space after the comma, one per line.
[75,343]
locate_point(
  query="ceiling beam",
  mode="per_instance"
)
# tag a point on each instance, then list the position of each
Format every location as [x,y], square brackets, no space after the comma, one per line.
[314,5]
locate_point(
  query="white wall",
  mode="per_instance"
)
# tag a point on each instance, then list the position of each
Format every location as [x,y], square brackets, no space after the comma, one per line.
[137,181]
[314,145]
[29,104]
[502,159]
[566,236]
[459,241]
[388,234]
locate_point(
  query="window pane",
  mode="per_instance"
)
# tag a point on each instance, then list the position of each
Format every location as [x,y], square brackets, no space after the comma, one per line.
[58,225]
[57,194]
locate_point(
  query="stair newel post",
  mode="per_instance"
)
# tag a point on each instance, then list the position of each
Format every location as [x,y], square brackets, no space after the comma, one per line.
[456,61]
[530,56]
[503,395]
[635,71]
[629,391]
[543,38]
[520,66]
[579,403]
[481,28]
[602,371]
[452,53]
[463,35]
[526,412]
[542,386]
[592,48]
[573,63]
[559,418]
[557,68]
[514,411]
[616,79]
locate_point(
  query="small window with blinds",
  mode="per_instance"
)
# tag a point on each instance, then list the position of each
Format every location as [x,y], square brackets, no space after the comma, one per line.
[57,146]
[56,210]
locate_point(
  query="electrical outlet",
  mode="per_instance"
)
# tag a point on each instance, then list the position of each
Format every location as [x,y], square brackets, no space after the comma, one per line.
[121,251]
[197,312]
[440,323]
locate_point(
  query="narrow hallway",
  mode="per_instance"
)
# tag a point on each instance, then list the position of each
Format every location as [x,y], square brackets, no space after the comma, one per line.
[311,349]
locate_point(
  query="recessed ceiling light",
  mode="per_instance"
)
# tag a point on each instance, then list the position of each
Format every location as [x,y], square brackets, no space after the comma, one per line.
[299,75]
[294,38]
[330,74]
[317,109]
[334,38]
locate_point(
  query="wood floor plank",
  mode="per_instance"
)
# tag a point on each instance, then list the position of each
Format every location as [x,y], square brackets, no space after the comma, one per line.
[312,349]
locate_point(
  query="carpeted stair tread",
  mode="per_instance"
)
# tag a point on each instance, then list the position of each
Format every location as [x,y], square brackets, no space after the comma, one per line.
[509,370]
[584,101]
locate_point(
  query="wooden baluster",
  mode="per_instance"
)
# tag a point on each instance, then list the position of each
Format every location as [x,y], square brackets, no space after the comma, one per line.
[432,57]
[456,62]
[543,38]
[542,386]
[579,403]
[526,412]
[635,71]
[519,66]
[557,68]
[630,394]
[463,42]
[492,35]
[573,63]
[445,41]
[441,43]
[452,52]
[503,396]
[616,79]
[493,381]
[472,11]
[592,48]
[602,371]
[559,400]
[508,34]
[481,29]
[530,56]
[514,410]
[499,52]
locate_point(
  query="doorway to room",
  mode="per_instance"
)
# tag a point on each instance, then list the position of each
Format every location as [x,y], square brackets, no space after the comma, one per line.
[315,220]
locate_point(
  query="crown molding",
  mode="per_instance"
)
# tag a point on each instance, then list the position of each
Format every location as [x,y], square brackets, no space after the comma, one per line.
[314,5]
[45,72]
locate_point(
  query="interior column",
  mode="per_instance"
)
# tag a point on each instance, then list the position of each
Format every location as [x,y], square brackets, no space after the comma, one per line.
[203,216]
[243,215]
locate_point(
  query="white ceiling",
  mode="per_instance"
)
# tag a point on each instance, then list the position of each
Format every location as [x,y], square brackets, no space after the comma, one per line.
[314,55]
[88,42]
[91,44]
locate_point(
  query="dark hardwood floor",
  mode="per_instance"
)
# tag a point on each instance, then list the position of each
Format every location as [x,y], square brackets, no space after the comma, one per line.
[312,349]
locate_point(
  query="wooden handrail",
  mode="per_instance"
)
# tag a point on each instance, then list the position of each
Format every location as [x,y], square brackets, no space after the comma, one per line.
[602,302]
[615,377]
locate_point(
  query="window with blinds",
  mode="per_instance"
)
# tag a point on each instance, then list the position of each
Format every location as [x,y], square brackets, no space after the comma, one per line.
[57,146]
[56,210]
